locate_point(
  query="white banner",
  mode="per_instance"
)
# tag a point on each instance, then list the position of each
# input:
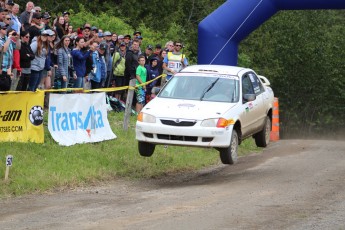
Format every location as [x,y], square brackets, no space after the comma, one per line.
[78,118]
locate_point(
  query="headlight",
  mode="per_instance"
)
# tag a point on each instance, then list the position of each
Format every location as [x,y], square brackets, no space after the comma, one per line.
[144,117]
[217,122]
[209,122]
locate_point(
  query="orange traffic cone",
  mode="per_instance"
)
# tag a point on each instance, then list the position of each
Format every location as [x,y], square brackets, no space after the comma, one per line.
[274,135]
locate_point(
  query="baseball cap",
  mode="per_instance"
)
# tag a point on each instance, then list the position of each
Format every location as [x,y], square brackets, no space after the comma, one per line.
[100,35]
[127,36]
[158,46]
[3,25]
[123,44]
[3,10]
[103,46]
[120,37]
[49,32]
[94,28]
[107,33]
[66,12]
[45,32]
[149,47]
[139,37]
[46,15]
[10,2]
[154,58]
[137,32]
[86,27]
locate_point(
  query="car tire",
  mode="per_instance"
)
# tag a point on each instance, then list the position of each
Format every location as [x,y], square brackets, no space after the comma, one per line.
[229,155]
[146,149]
[263,137]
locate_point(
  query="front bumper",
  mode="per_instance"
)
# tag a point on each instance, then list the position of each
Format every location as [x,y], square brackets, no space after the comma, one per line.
[158,133]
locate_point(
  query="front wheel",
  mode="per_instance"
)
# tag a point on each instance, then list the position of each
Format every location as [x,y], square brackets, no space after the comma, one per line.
[229,155]
[263,137]
[146,149]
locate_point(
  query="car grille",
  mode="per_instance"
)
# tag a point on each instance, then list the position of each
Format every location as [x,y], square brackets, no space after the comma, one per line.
[178,123]
[177,138]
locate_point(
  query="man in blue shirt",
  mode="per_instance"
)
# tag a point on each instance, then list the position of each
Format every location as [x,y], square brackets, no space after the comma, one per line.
[7,45]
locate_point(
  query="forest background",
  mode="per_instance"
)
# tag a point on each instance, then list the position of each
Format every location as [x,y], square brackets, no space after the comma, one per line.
[302,53]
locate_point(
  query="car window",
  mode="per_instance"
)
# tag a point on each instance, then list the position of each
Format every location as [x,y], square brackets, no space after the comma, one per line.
[213,88]
[247,87]
[258,87]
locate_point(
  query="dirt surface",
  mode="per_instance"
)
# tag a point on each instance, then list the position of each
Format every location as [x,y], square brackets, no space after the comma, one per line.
[293,184]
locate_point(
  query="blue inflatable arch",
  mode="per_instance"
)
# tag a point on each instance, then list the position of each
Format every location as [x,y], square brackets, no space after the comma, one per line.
[220,33]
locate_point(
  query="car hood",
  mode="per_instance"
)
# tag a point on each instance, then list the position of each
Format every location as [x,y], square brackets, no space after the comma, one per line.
[186,109]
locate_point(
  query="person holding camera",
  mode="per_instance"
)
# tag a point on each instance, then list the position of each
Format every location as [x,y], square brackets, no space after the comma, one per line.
[79,61]
[8,42]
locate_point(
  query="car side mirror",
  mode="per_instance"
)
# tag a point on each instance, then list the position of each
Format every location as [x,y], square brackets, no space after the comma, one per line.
[248,97]
[264,80]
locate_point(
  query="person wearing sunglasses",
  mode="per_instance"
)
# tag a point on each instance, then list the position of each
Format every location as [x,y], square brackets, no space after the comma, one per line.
[26,56]
[175,61]
[35,28]
[7,20]
[37,9]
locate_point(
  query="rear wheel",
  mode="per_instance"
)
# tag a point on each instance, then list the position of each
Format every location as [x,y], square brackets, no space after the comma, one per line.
[229,155]
[263,137]
[146,149]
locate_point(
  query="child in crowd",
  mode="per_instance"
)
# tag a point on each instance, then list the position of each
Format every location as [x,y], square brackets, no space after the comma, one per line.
[152,73]
[141,74]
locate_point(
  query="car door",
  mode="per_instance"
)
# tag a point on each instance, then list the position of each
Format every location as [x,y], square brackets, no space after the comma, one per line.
[250,114]
[260,112]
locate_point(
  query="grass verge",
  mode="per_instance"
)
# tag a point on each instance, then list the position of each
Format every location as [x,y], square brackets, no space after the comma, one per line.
[45,167]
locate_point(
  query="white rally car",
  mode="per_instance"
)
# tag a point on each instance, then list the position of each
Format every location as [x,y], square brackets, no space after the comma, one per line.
[208,106]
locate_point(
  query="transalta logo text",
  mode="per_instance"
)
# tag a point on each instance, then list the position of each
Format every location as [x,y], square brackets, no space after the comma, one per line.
[68,121]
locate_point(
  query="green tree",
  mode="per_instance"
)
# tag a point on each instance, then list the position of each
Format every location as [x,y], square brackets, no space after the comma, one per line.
[302,53]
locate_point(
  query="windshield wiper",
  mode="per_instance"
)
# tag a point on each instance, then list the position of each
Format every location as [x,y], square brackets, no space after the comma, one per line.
[208,89]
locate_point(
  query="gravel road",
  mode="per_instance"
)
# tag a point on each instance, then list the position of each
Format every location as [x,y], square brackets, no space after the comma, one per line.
[293,184]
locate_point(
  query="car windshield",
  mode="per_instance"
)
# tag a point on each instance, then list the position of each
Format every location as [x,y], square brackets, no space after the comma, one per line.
[220,88]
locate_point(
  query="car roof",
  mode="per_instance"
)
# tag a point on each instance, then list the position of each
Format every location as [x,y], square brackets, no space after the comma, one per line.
[220,69]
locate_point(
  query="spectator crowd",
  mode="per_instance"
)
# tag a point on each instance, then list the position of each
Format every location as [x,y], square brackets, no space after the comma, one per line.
[38,47]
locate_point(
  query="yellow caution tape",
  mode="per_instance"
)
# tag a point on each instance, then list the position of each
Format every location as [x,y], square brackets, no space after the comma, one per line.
[113,89]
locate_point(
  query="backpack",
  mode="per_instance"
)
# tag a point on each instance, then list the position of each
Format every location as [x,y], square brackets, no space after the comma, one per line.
[117,62]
